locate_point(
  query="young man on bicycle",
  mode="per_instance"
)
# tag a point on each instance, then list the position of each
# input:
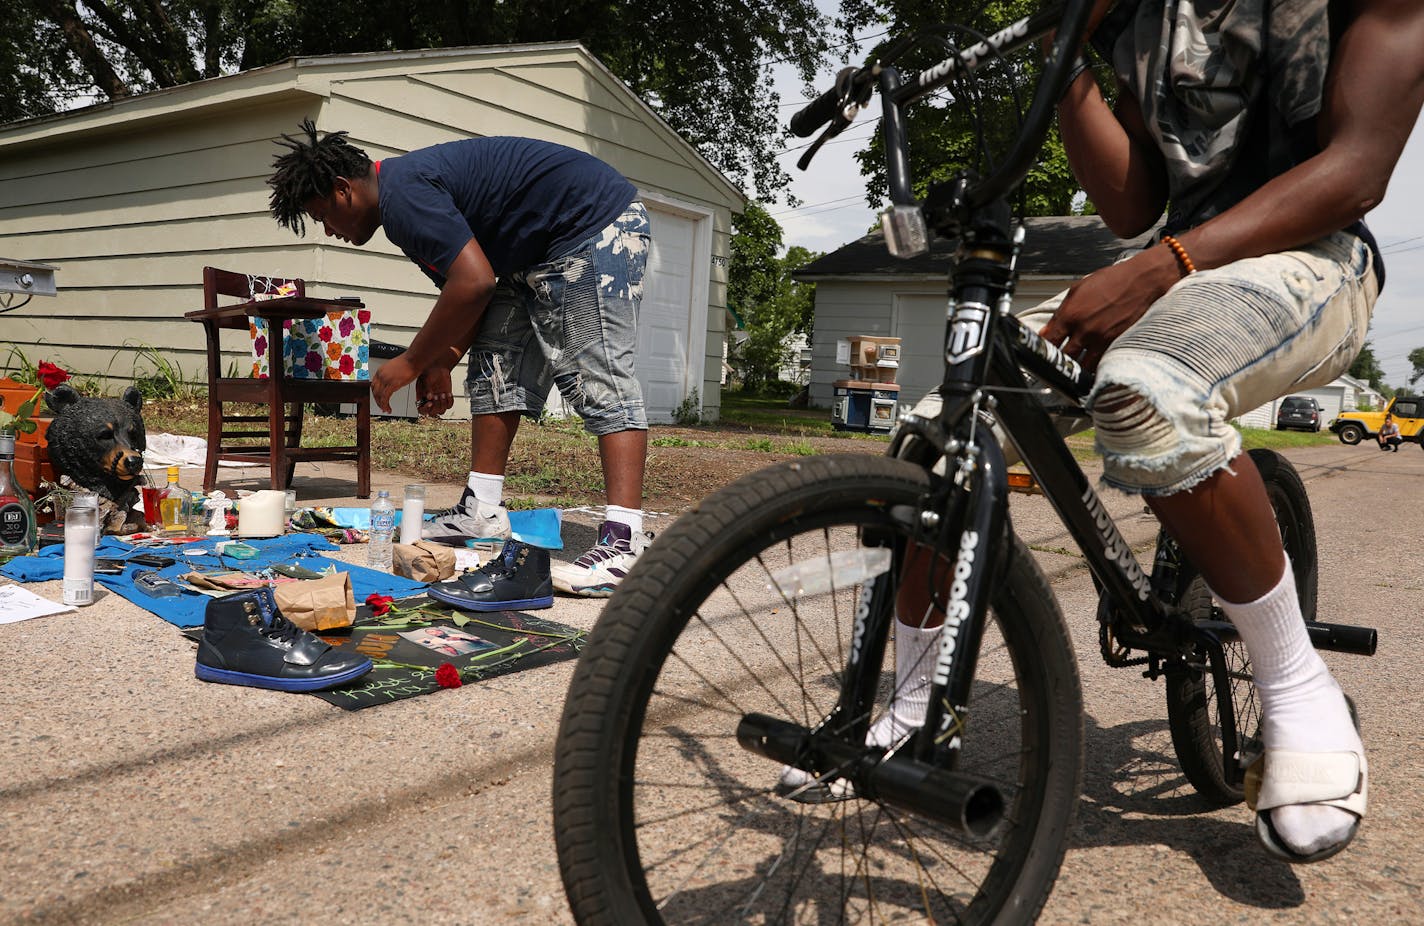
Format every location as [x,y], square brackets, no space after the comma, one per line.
[539,252]
[1265,131]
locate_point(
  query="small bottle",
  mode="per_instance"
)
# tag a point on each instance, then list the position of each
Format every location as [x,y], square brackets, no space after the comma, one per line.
[81,533]
[18,528]
[412,514]
[383,528]
[175,504]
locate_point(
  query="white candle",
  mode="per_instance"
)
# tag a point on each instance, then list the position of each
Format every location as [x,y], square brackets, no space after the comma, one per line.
[79,543]
[262,514]
[412,514]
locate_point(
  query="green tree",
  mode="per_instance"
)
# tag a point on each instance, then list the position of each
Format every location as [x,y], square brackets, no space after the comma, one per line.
[1367,368]
[944,132]
[706,68]
[770,305]
[1416,360]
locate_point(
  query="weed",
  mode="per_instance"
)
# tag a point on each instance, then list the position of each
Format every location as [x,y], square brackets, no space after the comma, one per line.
[689,410]
[799,448]
[164,381]
[679,442]
[760,445]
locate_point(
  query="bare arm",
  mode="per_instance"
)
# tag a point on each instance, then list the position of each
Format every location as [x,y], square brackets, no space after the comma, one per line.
[1113,157]
[1373,96]
[449,330]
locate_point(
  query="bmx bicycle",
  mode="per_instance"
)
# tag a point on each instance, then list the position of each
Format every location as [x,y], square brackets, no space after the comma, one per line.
[753,634]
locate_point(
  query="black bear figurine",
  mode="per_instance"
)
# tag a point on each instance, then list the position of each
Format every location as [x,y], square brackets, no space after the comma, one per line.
[98,444]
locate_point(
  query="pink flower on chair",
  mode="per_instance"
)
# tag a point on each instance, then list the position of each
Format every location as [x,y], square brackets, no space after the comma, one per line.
[260,345]
[314,361]
[346,325]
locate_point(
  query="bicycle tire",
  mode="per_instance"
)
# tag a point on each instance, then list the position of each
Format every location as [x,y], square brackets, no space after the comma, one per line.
[1192,710]
[638,739]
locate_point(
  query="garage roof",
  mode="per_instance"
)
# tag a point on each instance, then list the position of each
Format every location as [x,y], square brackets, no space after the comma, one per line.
[1055,246]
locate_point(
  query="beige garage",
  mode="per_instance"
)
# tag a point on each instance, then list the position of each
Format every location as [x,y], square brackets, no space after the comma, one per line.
[131,199]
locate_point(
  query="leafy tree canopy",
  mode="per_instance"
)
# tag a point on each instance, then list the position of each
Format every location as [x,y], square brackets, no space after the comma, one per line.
[770,305]
[1367,368]
[705,67]
[1416,360]
[971,125]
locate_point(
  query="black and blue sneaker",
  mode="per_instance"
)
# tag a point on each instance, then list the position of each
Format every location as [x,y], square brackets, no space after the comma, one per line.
[516,579]
[247,641]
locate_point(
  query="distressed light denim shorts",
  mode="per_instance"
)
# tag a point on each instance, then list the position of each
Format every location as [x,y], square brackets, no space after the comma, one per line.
[1216,345]
[571,322]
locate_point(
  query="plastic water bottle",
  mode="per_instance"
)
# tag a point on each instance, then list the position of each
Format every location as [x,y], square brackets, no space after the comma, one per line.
[383,529]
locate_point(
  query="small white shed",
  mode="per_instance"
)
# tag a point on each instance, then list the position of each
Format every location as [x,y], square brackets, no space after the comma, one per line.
[862,290]
[132,198]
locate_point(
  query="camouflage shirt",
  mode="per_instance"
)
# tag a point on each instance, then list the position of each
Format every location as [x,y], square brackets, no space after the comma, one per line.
[1228,88]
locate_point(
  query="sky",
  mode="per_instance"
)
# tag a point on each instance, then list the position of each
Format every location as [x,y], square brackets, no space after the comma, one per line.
[833,212]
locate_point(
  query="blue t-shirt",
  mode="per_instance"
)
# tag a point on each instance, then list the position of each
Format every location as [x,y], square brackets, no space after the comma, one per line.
[525,201]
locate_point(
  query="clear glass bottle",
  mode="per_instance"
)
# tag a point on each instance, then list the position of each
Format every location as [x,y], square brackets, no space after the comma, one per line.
[175,504]
[17,513]
[383,528]
[412,513]
[81,535]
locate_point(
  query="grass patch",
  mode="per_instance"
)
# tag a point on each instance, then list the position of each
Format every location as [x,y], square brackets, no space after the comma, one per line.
[1271,439]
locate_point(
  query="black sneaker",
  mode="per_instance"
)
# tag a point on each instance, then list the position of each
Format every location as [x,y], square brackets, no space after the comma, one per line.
[470,519]
[516,579]
[247,641]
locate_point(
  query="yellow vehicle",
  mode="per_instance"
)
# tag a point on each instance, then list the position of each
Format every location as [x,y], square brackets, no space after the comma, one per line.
[1408,413]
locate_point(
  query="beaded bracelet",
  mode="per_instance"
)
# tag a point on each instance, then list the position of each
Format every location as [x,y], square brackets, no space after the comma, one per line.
[1183,257]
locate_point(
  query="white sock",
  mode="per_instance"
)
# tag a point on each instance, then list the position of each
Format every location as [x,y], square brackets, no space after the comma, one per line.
[489,489]
[1302,707]
[633,517]
[908,704]
[911,699]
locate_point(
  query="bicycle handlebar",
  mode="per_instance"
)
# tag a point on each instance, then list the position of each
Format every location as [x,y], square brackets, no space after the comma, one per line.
[853,86]
[820,110]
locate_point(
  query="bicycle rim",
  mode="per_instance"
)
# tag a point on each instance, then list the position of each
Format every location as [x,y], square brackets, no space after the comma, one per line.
[698,834]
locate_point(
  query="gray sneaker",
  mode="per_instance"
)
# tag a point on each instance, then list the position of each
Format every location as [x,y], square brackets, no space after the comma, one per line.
[597,573]
[471,519]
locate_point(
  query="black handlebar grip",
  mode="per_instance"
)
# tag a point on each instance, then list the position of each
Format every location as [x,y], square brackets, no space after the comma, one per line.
[820,110]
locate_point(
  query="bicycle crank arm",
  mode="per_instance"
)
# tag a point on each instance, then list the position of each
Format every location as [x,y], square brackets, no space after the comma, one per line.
[972,805]
[1337,638]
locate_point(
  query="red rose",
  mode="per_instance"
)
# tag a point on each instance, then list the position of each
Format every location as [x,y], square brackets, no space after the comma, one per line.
[51,375]
[348,364]
[379,604]
[447,676]
[324,332]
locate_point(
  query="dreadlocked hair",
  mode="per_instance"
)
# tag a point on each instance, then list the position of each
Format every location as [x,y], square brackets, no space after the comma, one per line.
[310,168]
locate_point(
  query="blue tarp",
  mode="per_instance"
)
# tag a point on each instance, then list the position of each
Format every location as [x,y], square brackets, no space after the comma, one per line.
[186,610]
[540,527]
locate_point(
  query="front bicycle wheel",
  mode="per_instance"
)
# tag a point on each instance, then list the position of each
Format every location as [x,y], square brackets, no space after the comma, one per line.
[1195,714]
[662,817]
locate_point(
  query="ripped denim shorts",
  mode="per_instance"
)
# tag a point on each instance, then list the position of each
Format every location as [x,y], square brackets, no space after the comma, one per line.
[1218,344]
[571,322]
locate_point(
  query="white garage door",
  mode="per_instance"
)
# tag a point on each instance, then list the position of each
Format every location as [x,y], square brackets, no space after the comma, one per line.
[666,319]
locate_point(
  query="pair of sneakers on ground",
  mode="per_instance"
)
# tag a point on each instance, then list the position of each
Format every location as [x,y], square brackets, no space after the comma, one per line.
[593,574]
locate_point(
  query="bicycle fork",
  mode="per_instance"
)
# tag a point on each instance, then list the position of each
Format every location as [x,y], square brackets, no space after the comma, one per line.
[919,775]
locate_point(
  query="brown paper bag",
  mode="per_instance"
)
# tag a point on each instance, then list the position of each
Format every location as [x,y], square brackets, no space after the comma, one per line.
[423,561]
[318,604]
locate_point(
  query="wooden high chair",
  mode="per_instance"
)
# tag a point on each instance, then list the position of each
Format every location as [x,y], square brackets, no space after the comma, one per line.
[284,396]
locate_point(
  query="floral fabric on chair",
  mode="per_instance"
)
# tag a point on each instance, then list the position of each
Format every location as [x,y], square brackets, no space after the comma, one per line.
[334,347]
